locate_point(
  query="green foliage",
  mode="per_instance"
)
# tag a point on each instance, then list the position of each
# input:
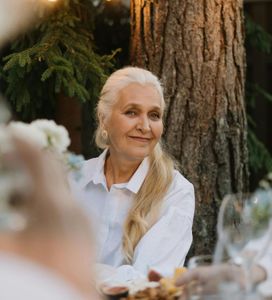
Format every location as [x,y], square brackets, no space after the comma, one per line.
[259,156]
[260,159]
[57,57]
[257,37]
[113,17]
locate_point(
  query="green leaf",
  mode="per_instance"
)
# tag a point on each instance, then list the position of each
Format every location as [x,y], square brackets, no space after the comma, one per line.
[264,93]
[47,73]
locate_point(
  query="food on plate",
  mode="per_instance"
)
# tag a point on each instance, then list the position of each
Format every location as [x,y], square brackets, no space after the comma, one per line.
[157,293]
[115,292]
[178,272]
[154,276]
[166,290]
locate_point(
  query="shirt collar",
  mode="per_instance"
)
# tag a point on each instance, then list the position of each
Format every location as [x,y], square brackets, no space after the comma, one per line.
[94,173]
[135,182]
[99,175]
[137,179]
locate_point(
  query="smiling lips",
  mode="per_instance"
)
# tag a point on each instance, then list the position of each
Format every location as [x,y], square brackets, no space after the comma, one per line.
[141,139]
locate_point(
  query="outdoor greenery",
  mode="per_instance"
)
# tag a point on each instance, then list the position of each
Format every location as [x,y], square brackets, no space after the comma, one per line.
[260,159]
[114,18]
[62,56]
[58,56]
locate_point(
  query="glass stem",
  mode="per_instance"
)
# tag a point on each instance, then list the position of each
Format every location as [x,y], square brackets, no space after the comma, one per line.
[247,266]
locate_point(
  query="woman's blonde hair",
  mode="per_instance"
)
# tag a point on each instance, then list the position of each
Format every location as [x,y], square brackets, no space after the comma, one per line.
[147,202]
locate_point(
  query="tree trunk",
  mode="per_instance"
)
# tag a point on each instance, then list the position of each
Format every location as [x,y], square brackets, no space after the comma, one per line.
[196,48]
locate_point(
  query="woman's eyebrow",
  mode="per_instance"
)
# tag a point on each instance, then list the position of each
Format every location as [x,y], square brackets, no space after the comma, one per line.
[132,105]
[137,106]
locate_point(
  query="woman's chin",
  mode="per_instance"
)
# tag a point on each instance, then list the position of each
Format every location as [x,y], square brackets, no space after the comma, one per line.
[139,155]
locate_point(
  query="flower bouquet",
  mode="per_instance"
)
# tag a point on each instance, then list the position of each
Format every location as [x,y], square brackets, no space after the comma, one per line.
[46,135]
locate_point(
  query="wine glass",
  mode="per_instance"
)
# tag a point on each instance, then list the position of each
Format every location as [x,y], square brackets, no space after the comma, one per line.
[259,212]
[244,228]
[213,282]
[200,261]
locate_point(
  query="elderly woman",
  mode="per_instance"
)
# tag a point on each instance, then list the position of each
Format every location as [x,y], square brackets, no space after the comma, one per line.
[143,207]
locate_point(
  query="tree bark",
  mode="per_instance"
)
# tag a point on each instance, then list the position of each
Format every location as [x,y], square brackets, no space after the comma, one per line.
[197,50]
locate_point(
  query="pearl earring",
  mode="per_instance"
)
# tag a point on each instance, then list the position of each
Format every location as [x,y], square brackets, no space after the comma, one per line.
[104,134]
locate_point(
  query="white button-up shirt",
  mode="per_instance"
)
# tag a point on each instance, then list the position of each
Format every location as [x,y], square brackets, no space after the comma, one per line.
[163,247]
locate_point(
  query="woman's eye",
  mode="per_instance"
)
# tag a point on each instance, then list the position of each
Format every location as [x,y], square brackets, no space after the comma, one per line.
[130,113]
[155,116]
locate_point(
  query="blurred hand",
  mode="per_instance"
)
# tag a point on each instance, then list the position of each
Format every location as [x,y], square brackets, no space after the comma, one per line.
[206,273]
[209,277]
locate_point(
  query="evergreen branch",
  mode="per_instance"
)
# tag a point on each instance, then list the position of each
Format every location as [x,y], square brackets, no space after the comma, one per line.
[57,57]
[259,156]
[257,36]
[264,93]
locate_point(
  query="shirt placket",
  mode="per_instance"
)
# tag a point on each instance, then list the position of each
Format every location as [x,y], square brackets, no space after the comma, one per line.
[108,218]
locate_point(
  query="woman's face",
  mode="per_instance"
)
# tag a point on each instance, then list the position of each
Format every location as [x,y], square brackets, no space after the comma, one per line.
[135,125]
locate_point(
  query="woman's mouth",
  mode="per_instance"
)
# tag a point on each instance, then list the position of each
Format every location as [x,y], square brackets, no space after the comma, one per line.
[140,139]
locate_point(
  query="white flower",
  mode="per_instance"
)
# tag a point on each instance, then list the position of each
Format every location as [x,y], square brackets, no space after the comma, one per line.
[27,132]
[56,135]
[269,176]
[264,184]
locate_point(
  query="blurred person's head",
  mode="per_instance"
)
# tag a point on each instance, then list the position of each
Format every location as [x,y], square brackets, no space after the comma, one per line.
[57,233]
[16,16]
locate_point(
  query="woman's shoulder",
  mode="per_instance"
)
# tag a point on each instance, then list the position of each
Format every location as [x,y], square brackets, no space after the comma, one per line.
[180,182]
[90,166]
[85,171]
[180,195]
[90,163]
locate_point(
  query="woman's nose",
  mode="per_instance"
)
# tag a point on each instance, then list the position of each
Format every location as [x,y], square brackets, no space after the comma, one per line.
[143,124]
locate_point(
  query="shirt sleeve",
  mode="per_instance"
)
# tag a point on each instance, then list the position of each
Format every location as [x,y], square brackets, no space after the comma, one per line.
[166,244]
[109,275]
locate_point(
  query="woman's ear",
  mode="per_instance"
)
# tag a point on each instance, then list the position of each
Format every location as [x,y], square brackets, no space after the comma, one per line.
[101,120]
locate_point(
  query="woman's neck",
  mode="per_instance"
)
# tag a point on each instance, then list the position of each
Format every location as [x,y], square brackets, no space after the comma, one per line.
[119,170]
